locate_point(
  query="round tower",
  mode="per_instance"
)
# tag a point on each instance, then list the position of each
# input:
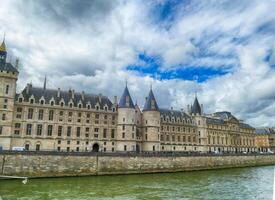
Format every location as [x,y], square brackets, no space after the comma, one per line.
[151,124]
[126,125]
[8,78]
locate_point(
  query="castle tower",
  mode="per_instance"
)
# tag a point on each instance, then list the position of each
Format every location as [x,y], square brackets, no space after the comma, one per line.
[126,127]
[197,114]
[8,78]
[151,124]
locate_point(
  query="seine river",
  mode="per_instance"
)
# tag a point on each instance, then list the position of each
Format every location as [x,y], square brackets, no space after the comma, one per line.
[243,183]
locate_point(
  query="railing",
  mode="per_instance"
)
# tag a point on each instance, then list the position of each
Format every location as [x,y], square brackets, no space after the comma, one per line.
[130,154]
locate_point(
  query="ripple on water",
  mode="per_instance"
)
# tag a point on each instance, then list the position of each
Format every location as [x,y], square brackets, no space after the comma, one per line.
[243,183]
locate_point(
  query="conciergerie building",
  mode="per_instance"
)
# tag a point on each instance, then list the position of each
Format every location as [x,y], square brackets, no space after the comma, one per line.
[43,119]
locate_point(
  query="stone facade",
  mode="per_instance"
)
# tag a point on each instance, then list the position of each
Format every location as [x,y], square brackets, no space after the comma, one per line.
[57,120]
[71,165]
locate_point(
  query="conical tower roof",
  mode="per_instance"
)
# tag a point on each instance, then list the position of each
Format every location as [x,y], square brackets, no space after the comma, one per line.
[126,100]
[196,108]
[3,47]
[151,103]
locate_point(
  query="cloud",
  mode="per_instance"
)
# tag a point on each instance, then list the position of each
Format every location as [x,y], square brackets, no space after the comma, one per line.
[89,45]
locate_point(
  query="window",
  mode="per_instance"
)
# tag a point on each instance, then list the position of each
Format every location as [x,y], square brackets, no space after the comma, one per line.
[50,130]
[59,142]
[37,147]
[42,102]
[39,129]
[30,113]
[52,103]
[123,127]
[104,133]
[61,113]
[59,131]
[113,133]
[96,130]
[19,109]
[4,117]
[1,130]
[58,149]
[125,147]
[40,114]
[20,100]
[29,129]
[51,115]
[31,101]
[78,129]
[97,116]
[27,147]
[123,135]
[7,89]
[69,131]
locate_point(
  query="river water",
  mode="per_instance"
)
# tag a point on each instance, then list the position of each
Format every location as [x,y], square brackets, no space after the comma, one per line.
[240,183]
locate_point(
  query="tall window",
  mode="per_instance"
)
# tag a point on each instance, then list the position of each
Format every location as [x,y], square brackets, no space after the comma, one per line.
[50,130]
[39,129]
[1,130]
[4,117]
[78,129]
[51,115]
[30,113]
[40,114]
[104,133]
[37,147]
[113,133]
[7,89]
[59,132]
[69,131]
[29,129]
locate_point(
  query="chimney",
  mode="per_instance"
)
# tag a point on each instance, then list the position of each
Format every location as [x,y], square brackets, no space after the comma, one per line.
[201,108]
[99,97]
[17,63]
[115,100]
[82,95]
[28,88]
[72,94]
[58,93]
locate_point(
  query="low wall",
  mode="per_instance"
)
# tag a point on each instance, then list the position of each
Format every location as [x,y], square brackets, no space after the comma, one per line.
[71,165]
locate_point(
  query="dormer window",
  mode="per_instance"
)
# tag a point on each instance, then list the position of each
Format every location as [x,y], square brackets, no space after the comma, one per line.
[114,109]
[71,105]
[20,100]
[80,105]
[52,103]
[62,104]
[89,107]
[97,107]
[105,108]
[41,102]
[31,101]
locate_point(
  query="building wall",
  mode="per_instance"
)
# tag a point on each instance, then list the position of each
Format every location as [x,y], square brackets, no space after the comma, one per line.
[262,142]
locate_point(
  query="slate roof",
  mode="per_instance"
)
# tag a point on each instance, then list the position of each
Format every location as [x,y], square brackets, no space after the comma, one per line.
[151,103]
[225,115]
[173,113]
[7,67]
[196,108]
[264,131]
[48,94]
[123,99]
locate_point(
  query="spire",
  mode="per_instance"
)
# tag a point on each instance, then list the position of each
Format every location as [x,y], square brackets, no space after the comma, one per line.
[196,108]
[3,45]
[151,103]
[126,100]
[45,83]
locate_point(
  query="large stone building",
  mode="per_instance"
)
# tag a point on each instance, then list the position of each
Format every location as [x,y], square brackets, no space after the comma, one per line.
[58,120]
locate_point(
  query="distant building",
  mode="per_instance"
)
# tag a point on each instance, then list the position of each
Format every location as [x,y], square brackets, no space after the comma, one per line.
[39,118]
[262,139]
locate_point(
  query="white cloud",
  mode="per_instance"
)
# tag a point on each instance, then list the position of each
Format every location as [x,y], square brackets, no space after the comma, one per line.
[88,45]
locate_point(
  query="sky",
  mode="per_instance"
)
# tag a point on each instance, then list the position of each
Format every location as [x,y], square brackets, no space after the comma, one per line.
[221,50]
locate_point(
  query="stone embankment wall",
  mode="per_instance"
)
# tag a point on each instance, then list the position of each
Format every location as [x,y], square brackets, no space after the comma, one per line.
[71,165]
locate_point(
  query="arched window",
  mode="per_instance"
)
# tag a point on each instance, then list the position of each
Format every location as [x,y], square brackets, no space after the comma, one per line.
[7,89]
[52,103]
[79,105]
[89,107]
[105,108]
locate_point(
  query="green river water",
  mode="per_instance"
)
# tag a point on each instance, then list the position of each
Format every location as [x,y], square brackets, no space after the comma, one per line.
[241,183]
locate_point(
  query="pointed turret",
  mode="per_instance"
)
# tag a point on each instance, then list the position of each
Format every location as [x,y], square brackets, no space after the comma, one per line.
[126,100]
[196,108]
[3,52]
[151,103]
